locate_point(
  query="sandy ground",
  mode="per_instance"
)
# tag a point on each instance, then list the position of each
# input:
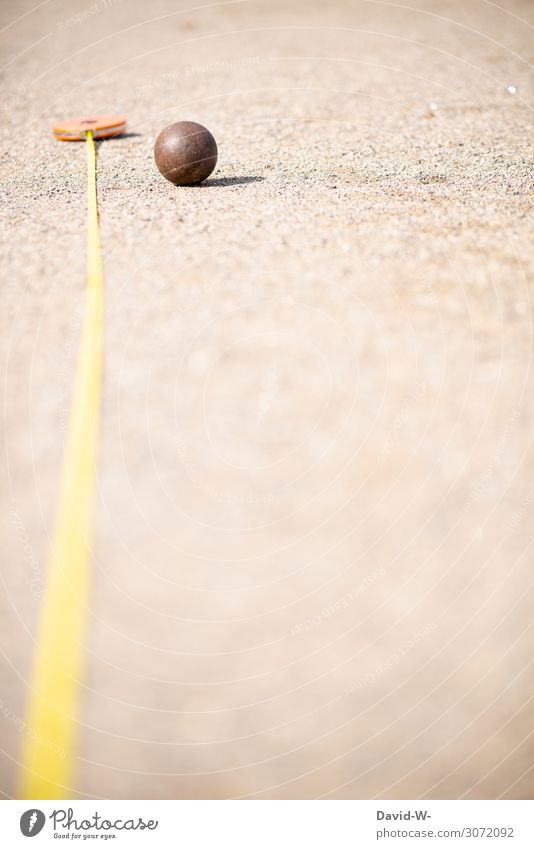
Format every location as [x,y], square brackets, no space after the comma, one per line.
[312,558]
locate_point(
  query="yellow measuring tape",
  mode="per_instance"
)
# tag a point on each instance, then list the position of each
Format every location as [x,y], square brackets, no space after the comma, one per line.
[53,709]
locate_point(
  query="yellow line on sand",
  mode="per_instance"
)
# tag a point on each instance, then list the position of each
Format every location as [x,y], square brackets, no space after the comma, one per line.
[53,706]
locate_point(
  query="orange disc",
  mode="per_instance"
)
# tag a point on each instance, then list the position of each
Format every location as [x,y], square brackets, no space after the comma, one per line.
[103,126]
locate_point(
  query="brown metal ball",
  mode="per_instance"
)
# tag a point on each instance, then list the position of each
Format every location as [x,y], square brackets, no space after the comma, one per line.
[185,153]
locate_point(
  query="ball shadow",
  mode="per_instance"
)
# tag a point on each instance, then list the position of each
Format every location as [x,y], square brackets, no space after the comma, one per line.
[231,181]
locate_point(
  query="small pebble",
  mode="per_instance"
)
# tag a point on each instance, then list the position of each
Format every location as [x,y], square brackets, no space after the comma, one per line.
[430,111]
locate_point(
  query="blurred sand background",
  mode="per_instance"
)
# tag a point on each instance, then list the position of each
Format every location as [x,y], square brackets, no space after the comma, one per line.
[313,553]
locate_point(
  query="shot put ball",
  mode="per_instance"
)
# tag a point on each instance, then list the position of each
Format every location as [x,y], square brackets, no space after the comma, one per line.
[185,153]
